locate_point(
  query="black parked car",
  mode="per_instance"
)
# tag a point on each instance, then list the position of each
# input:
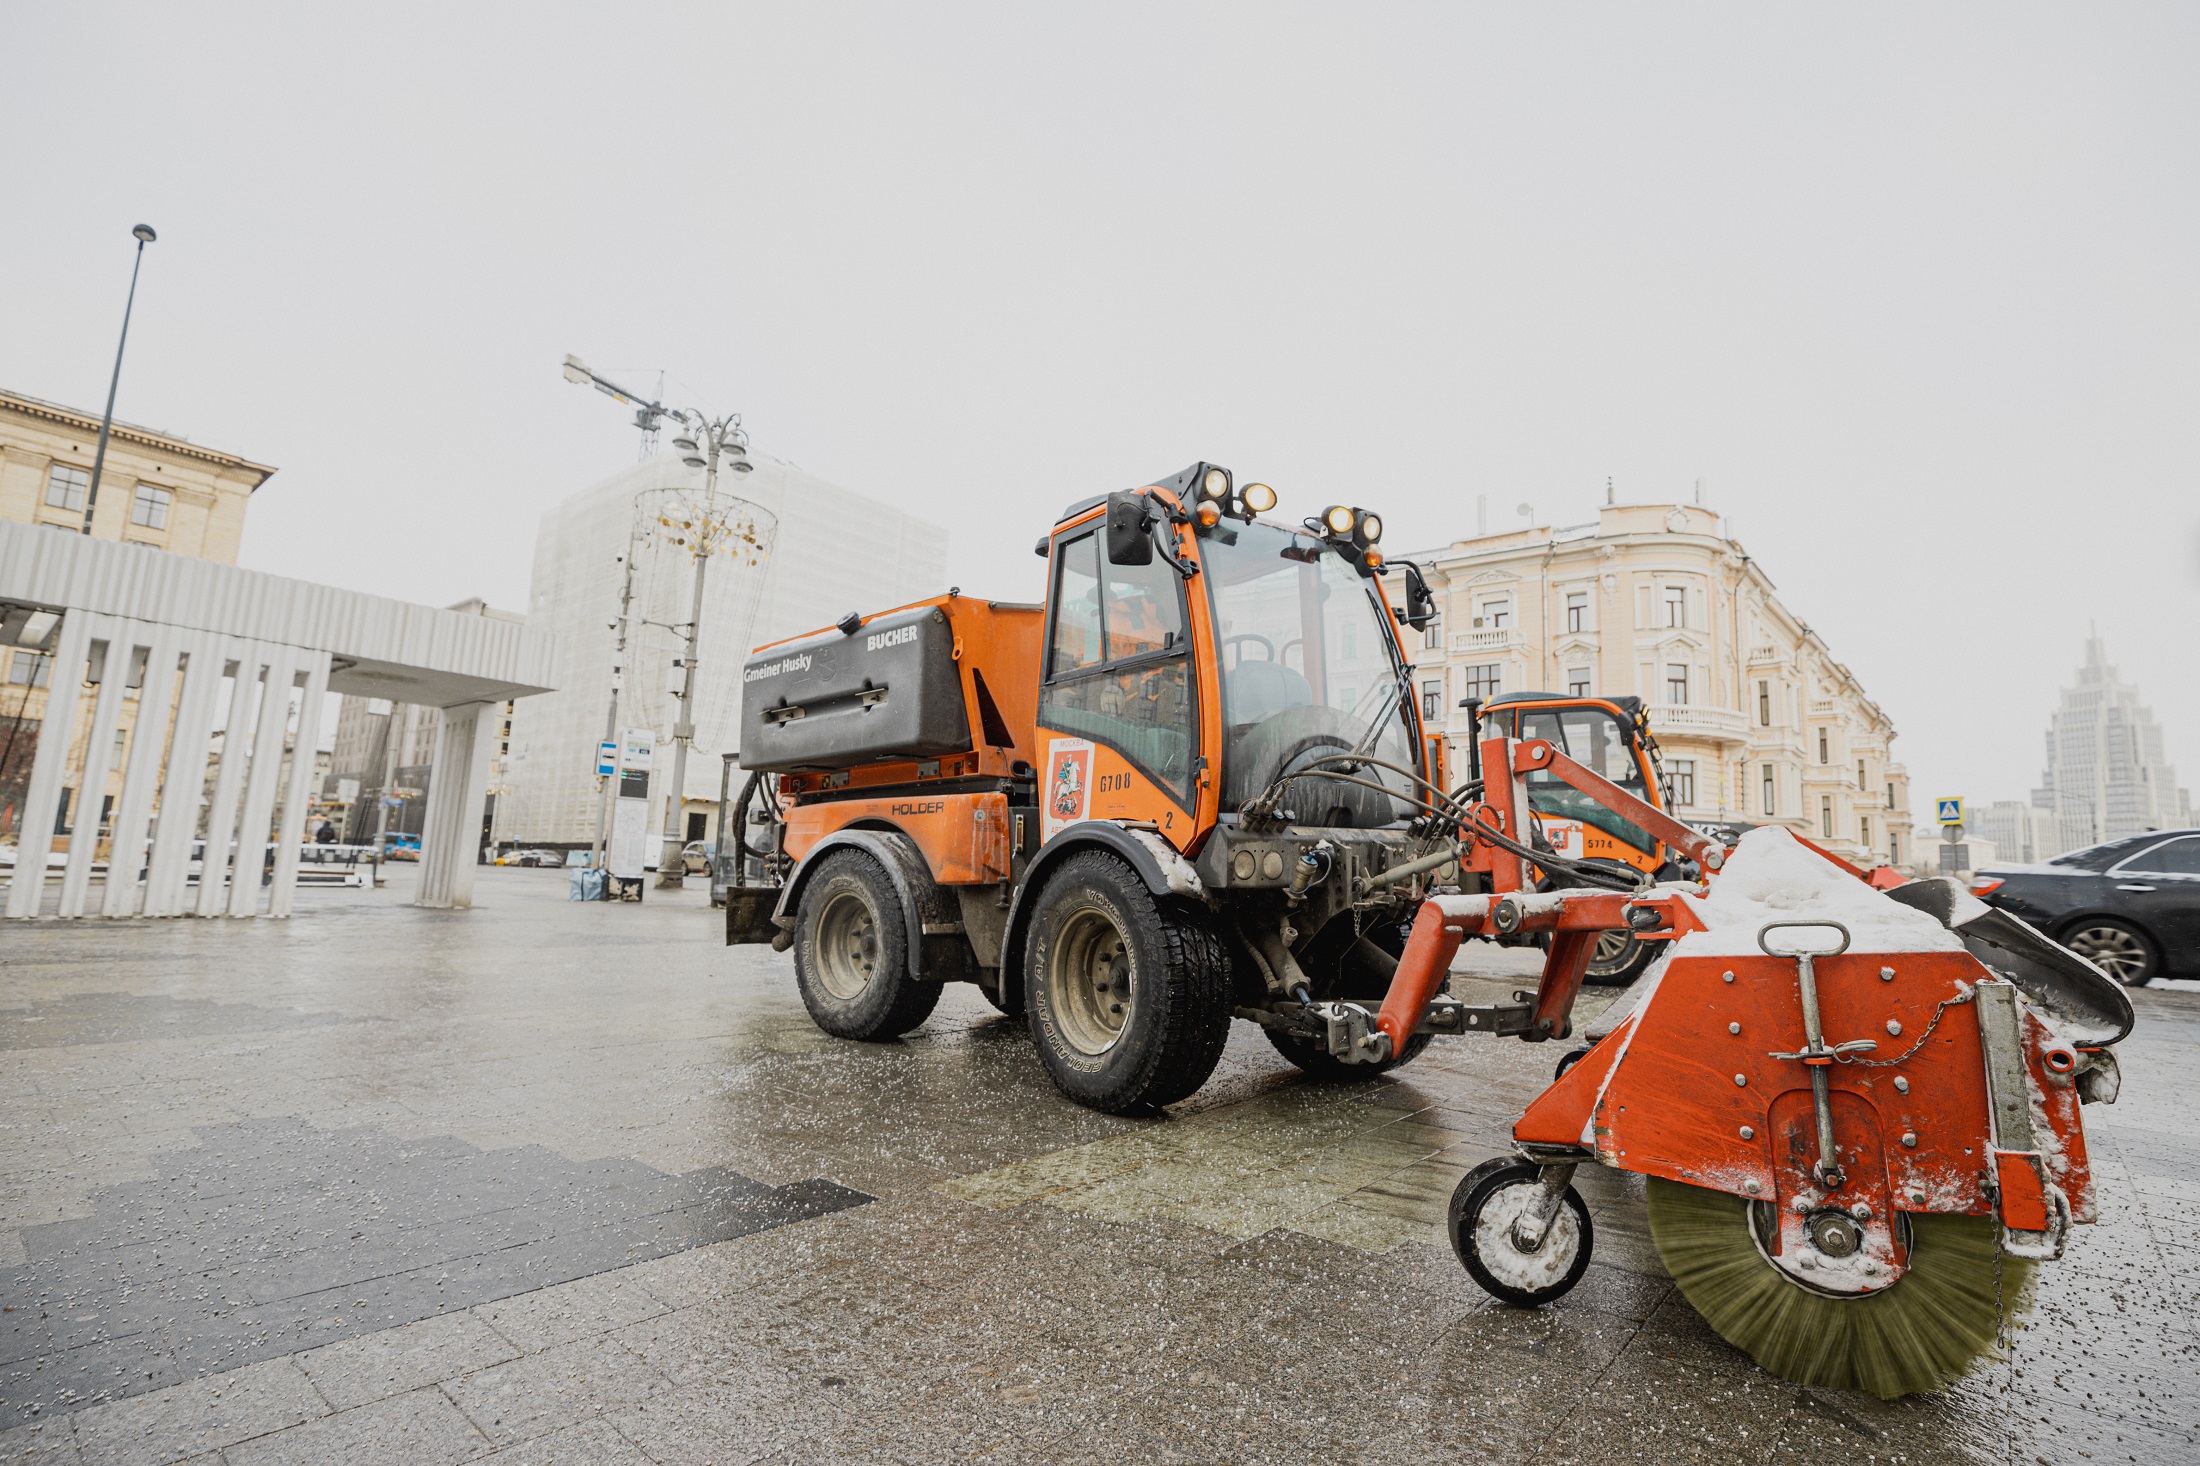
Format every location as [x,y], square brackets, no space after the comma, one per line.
[2131,905]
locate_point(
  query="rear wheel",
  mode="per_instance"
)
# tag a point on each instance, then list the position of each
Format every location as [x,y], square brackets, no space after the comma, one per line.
[1127,996]
[2117,948]
[851,952]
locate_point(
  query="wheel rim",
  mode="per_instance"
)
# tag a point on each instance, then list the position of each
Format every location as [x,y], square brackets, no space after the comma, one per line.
[1089,979]
[847,945]
[1611,953]
[1530,1272]
[2112,949]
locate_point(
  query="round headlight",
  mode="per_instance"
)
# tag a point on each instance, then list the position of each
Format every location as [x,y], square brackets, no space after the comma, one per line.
[1257,497]
[1216,485]
[1338,518]
[1372,527]
[1209,514]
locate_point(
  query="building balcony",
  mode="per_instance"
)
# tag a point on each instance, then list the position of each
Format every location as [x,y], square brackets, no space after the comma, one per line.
[1719,725]
[1504,639]
[1762,656]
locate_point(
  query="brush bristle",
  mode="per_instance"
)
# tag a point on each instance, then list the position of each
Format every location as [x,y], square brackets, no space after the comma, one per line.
[1921,1334]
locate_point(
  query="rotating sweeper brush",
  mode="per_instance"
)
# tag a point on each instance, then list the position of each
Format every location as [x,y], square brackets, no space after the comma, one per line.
[1856,1109]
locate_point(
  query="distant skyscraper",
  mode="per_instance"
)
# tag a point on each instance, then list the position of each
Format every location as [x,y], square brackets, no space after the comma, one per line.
[2106,775]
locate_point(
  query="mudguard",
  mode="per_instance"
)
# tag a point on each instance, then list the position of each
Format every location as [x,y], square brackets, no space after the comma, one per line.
[1165,872]
[924,905]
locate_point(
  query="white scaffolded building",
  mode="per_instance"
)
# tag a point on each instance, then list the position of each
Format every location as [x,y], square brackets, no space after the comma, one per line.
[829,552]
[226,667]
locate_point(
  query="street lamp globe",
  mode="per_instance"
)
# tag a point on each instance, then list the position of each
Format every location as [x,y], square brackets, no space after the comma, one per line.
[144,234]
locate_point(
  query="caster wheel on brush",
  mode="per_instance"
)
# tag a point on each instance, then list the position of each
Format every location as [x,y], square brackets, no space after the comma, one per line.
[1490,1198]
[1567,1061]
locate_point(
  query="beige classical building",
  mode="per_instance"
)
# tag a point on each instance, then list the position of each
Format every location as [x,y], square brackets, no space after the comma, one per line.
[156,489]
[1756,721]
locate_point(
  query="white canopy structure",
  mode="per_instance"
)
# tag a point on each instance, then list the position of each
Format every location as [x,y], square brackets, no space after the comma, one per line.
[221,664]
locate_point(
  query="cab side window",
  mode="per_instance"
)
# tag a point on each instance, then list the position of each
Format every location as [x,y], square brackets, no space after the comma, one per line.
[1076,606]
[1117,665]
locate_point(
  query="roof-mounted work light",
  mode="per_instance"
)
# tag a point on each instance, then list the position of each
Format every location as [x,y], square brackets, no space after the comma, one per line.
[1354,532]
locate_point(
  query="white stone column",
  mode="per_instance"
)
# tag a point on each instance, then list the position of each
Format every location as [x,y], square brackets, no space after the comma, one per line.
[41,803]
[99,760]
[295,794]
[262,781]
[141,773]
[176,826]
[221,812]
[450,841]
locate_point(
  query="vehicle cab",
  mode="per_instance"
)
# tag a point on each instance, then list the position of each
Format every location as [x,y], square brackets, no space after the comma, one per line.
[1197,656]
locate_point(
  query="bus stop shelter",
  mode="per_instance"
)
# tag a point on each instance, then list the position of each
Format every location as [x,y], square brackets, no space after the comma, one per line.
[183,709]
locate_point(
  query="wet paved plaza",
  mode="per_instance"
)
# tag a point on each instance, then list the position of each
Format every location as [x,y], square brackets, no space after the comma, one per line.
[544,1182]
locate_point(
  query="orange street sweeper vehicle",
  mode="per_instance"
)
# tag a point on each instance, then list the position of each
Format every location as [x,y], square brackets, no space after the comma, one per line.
[1194,786]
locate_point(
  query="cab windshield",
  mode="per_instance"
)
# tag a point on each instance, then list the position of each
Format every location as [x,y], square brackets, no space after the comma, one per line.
[1307,671]
[1592,737]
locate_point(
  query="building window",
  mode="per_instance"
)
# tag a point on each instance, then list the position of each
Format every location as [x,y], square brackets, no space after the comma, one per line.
[1764,704]
[1496,615]
[1823,757]
[1577,682]
[150,507]
[30,669]
[1432,635]
[66,487]
[1577,610]
[1432,701]
[1486,681]
[1894,848]
[1684,783]
[1825,815]
[1676,684]
[1860,785]
[1771,786]
[1890,794]
[1676,606]
[1864,831]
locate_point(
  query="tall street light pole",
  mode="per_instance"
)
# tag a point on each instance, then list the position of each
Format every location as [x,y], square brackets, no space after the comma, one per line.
[144,235]
[705,440]
[702,443]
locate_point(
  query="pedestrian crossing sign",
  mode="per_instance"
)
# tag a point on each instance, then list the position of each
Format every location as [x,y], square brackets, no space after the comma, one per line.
[1951,811]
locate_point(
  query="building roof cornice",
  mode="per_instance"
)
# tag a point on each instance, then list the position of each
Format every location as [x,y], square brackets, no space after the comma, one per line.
[54,412]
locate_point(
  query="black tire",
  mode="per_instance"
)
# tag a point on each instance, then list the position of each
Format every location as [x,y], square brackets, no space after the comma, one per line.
[1567,1061]
[1152,1030]
[851,953]
[2118,948]
[1619,959]
[1525,1280]
[1324,1067]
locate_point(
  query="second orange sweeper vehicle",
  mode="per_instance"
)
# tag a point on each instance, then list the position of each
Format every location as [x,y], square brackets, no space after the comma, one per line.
[1194,787]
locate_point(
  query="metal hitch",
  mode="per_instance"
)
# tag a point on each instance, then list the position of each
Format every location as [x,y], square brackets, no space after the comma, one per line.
[1349,1031]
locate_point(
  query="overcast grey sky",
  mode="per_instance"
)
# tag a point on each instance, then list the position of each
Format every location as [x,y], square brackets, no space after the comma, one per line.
[1913,289]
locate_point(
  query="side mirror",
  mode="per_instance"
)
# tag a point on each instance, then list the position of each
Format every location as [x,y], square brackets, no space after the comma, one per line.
[1130,541]
[1420,604]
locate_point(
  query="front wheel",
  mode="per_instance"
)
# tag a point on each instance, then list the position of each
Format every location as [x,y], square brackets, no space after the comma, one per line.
[1619,958]
[1490,1199]
[2117,948]
[1127,997]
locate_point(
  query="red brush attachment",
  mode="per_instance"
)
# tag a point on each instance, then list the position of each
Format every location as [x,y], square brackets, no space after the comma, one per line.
[1689,1087]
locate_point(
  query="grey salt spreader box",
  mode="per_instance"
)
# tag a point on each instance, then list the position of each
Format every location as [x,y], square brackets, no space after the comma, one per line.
[867,692]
